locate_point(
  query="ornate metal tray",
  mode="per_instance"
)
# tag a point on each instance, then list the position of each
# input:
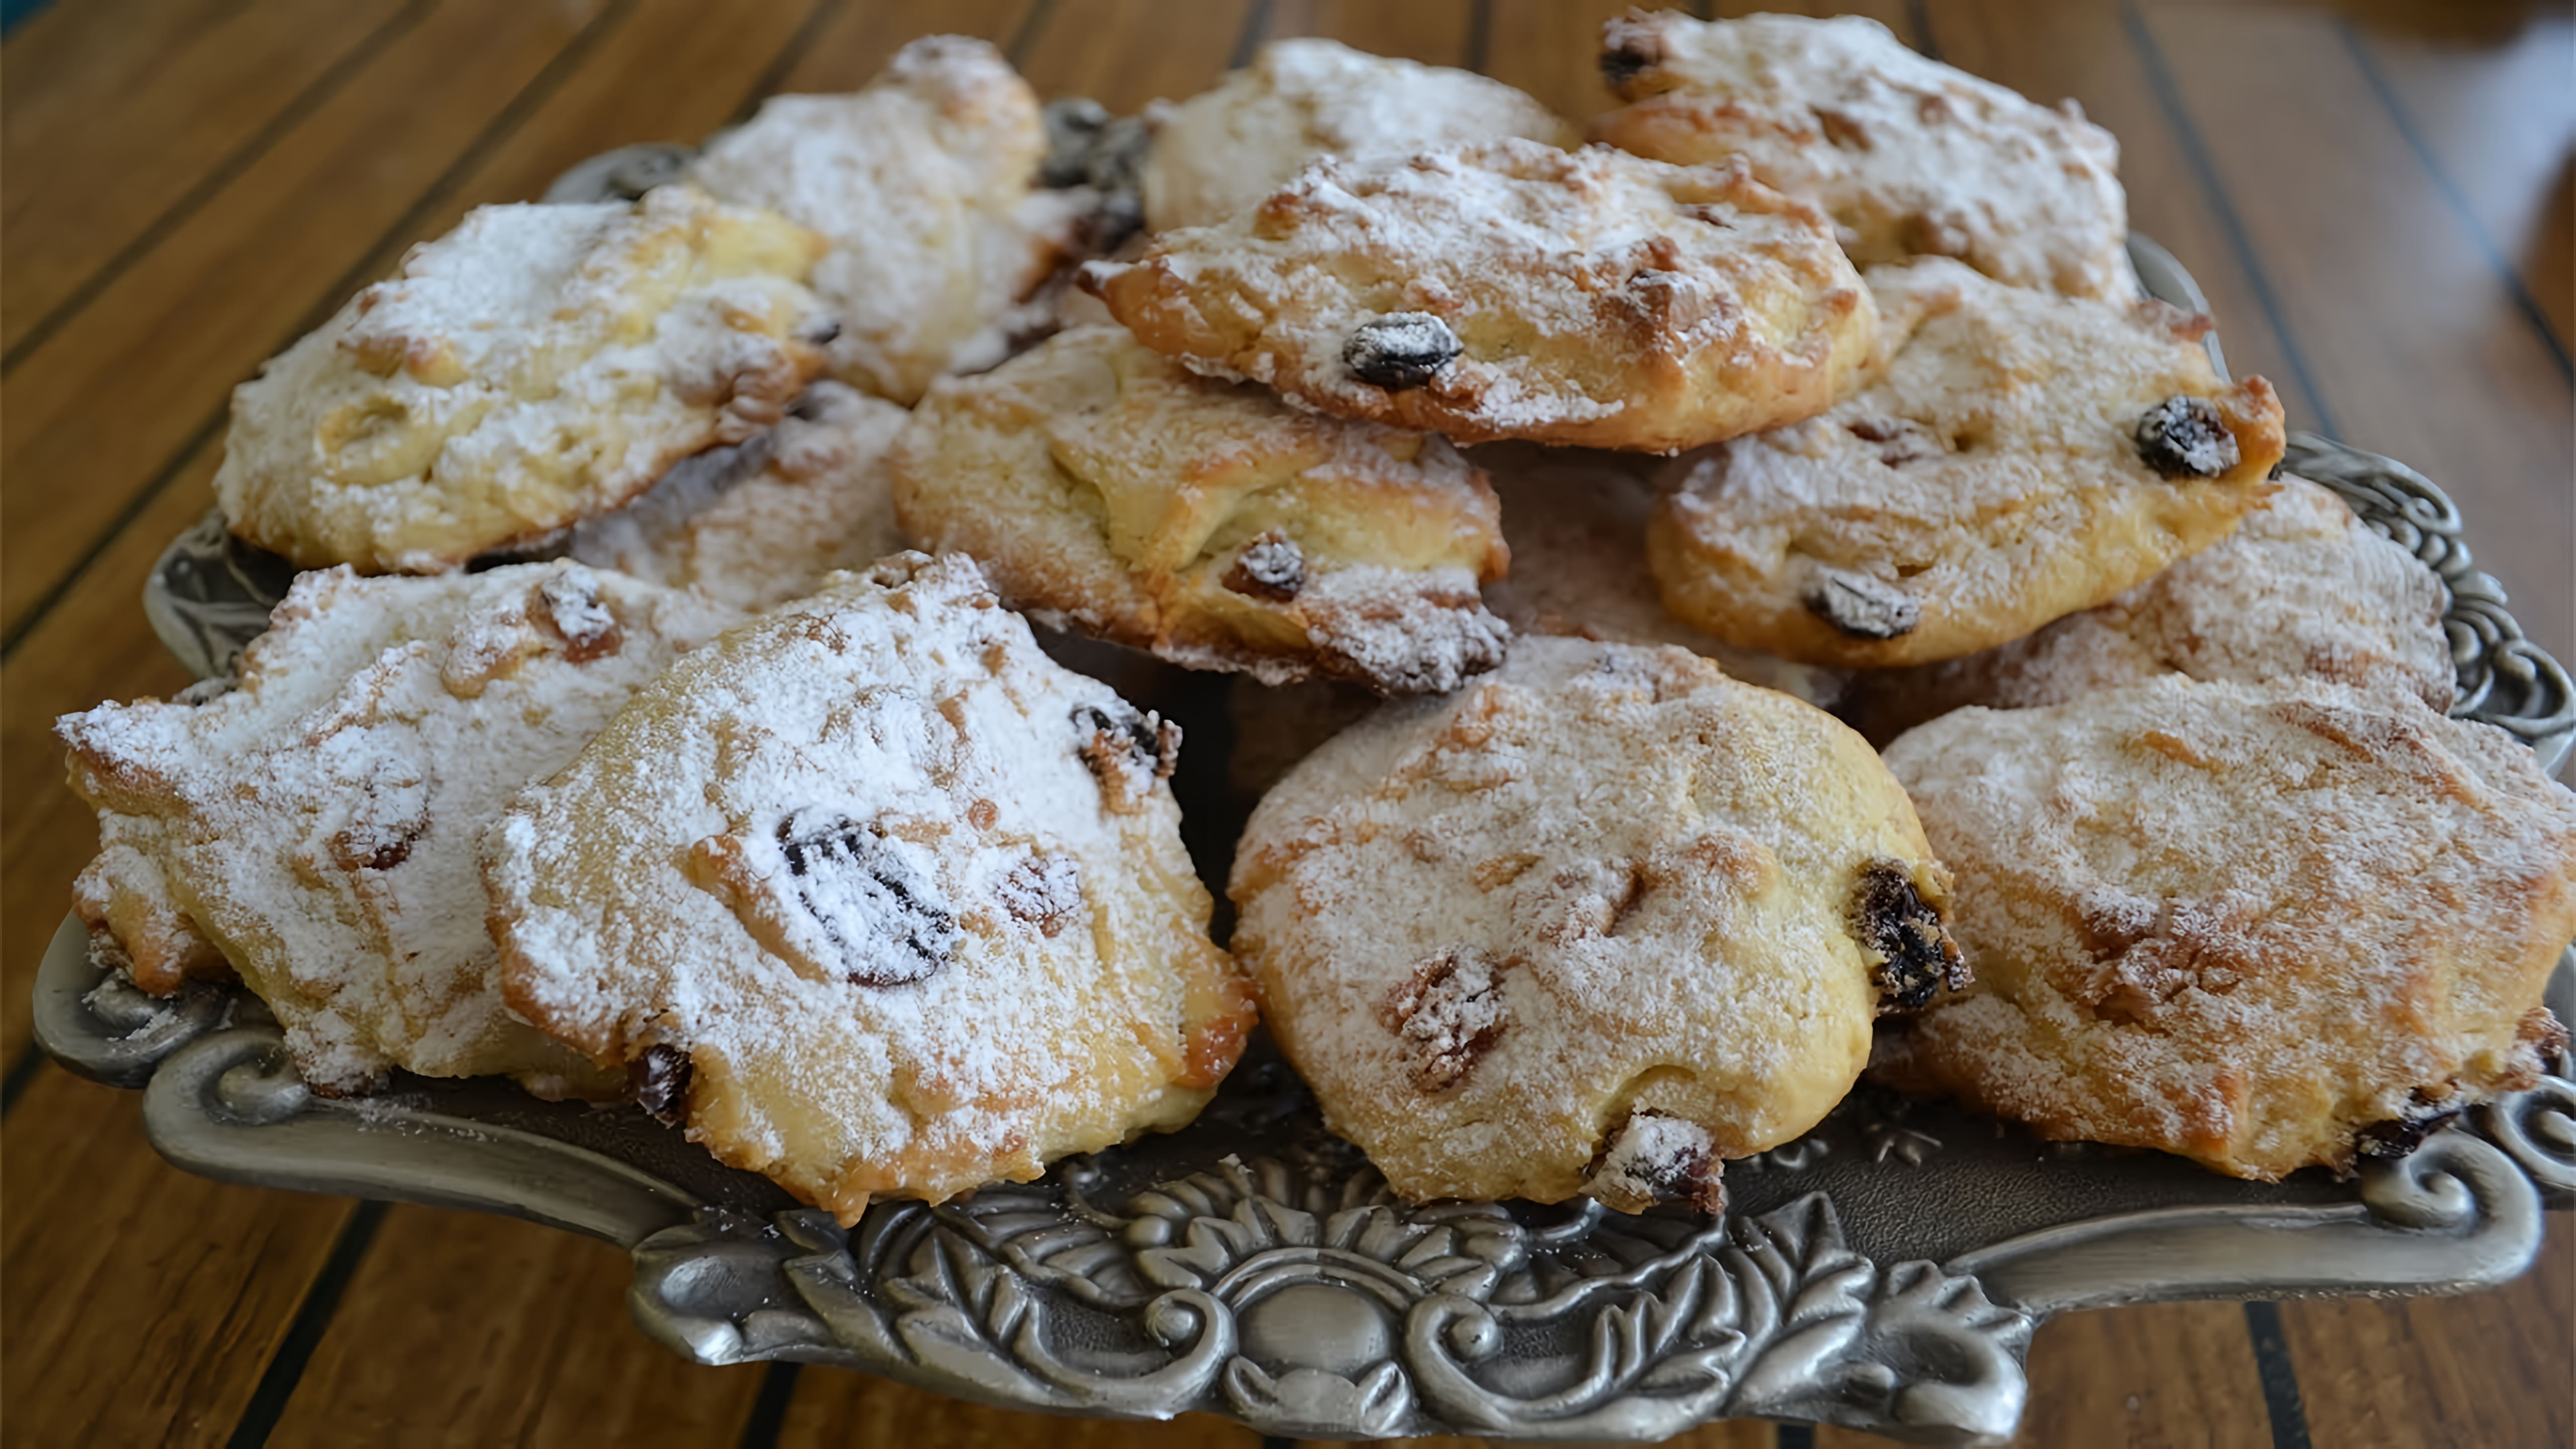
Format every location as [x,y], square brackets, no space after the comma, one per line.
[1885,1271]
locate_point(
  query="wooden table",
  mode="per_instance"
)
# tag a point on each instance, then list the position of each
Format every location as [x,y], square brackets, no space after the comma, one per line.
[2376,195]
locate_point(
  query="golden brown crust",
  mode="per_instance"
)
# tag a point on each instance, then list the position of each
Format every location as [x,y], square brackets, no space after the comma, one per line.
[1909,156]
[1593,924]
[314,826]
[1986,480]
[2301,589]
[536,366]
[877,899]
[1587,298]
[1103,485]
[2261,925]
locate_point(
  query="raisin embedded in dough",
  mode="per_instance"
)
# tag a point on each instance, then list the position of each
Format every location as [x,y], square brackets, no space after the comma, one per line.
[2183,437]
[908,898]
[1584,927]
[1404,350]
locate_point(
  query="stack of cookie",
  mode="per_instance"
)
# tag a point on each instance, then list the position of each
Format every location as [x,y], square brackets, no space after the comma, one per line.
[1818,379]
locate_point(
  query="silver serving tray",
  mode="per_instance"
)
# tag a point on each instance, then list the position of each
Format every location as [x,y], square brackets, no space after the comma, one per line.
[1883,1272]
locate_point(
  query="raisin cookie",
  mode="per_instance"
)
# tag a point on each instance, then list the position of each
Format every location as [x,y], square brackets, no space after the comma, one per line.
[1575,521]
[1910,157]
[1222,151]
[925,184]
[2265,926]
[315,827]
[533,367]
[2016,456]
[764,522]
[1593,924]
[1110,490]
[876,899]
[1513,290]
[2303,587]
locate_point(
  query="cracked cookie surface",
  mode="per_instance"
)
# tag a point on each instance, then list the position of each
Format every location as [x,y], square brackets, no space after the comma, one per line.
[2265,926]
[315,827]
[1592,924]
[536,366]
[1909,156]
[1512,290]
[1987,478]
[878,900]
[1104,486]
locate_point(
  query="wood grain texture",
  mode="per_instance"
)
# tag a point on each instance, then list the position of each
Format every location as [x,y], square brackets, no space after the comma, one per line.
[93,646]
[2418,347]
[142,1302]
[1124,53]
[2489,1369]
[1434,32]
[2488,92]
[464,1329]
[243,277]
[2376,194]
[112,134]
[1552,49]
[2165,1376]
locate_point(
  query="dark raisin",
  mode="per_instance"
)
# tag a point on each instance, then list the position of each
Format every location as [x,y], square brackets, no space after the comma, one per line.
[1629,49]
[1270,567]
[660,1079]
[1400,351]
[569,602]
[1650,1158]
[2399,1136]
[1861,606]
[1919,956]
[881,913]
[2275,475]
[2182,437]
[1447,1015]
[1126,740]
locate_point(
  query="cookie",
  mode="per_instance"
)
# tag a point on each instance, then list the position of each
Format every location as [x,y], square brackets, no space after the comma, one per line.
[315,827]
[535,366]
[1575,521]
[1594,924]
[1109,490]
[764,522]
[924,184]
[2263,925]
[2301,588]
[1910,157]
[2015,456]
[1513,290]
[1222,151]
[876,899]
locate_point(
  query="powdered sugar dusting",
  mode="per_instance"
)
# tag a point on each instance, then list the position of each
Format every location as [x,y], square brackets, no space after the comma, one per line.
[320,820]
[866,863]
[2237,921]
[1600,879]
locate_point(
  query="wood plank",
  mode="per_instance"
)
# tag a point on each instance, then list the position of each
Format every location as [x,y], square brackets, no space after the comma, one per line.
[2421,352]
[1552,49]
[1124,53]
[2488,1369]
[101,408]
[94,646]
[94,157]
[465,1329]
[837,1407]
[142,1302]
[856,40]
[1434,32]
[2491,95]
[2173,1375]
